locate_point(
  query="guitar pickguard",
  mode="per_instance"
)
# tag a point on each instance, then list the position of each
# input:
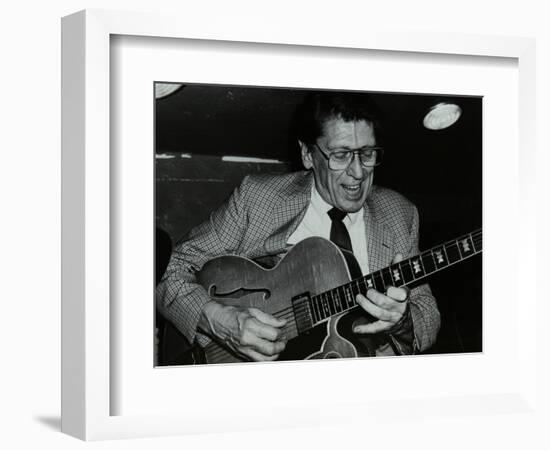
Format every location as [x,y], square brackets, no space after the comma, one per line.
[334,345]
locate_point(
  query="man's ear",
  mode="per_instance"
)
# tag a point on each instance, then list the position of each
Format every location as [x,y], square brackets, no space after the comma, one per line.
[307,159]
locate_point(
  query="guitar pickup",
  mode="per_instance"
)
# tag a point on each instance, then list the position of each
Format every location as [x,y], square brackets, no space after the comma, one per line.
[303,317]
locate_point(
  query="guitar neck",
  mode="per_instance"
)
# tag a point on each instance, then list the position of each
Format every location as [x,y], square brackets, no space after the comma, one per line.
[310,311]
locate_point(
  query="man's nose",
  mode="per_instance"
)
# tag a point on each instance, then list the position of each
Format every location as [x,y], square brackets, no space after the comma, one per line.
[355,169]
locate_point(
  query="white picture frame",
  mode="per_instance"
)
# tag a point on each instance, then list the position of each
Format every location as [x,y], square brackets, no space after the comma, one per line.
[87,386]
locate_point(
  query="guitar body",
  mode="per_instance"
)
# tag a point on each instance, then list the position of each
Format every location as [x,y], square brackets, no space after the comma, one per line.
[311,267]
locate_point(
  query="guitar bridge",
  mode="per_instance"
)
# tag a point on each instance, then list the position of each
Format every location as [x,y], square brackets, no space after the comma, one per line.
[301,305]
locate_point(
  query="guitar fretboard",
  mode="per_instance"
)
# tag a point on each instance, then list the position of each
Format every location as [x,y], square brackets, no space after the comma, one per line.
[310,311]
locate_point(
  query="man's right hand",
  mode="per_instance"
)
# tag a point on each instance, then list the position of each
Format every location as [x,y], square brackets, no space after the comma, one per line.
[247,331]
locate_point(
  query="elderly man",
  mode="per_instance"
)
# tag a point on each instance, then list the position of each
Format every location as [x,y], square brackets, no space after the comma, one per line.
[335,198]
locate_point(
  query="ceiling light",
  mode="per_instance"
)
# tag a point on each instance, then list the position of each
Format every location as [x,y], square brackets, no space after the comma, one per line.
[165,89]
[441,116]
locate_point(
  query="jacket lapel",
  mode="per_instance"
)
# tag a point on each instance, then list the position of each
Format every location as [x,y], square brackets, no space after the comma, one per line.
[379,237]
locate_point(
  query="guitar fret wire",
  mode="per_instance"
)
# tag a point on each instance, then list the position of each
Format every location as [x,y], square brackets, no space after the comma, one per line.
[400,277]
[421,262]
[433,258]
[391,275]
[409,262]
[446,255]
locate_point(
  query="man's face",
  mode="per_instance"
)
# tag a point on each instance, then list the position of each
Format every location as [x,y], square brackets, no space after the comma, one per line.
[346,189]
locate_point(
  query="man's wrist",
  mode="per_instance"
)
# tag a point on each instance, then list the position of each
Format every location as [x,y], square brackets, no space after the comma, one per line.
[210,315]
[404,324]
[402,335]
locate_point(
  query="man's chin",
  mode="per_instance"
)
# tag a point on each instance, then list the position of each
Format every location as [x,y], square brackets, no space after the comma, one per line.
[351,206]
[352,203]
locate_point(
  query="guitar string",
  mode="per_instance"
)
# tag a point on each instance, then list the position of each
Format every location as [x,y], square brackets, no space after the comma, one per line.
[291,326]
[221,355]
[215,353]
[287,313]
[362,280]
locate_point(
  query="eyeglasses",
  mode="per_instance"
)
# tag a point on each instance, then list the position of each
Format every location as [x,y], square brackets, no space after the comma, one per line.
[340,160]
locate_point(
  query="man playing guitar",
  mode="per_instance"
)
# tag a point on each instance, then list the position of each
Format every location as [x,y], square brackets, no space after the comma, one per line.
[334,198]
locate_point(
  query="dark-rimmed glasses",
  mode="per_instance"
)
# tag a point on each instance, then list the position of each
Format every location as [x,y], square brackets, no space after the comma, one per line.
[340,160]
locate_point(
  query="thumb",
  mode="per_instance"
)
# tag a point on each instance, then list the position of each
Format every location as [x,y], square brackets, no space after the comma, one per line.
[397,258]
[268,319]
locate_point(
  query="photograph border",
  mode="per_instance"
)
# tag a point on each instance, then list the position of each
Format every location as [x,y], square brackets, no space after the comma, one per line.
[86,181]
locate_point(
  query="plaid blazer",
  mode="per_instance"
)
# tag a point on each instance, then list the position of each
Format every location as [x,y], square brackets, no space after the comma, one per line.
[256,222]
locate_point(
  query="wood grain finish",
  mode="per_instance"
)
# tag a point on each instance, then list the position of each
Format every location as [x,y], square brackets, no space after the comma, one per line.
[313,266]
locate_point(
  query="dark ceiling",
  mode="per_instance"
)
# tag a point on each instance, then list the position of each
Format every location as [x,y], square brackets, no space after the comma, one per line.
[236,120]
[253,121]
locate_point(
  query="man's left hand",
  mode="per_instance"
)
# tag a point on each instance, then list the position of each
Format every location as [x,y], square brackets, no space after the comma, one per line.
[388,308]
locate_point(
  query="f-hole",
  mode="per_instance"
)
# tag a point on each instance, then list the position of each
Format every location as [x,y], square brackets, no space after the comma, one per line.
[239,293]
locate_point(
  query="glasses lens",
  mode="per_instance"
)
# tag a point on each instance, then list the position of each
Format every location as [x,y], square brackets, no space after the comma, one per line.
[340,160]
[369,157]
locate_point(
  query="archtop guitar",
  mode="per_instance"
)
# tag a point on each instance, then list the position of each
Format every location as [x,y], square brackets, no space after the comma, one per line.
[312,289]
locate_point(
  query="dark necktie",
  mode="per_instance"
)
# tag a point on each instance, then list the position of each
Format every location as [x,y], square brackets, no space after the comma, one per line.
[338,231]
[340,236]
[365,345]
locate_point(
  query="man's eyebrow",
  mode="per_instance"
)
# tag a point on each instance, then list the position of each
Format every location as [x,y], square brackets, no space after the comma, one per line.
[348,148]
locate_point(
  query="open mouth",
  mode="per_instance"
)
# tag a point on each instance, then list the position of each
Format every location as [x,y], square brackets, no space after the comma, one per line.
[352,189]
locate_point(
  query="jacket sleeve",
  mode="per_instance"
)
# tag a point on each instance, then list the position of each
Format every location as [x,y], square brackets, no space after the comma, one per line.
[179,297]
[423,321]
